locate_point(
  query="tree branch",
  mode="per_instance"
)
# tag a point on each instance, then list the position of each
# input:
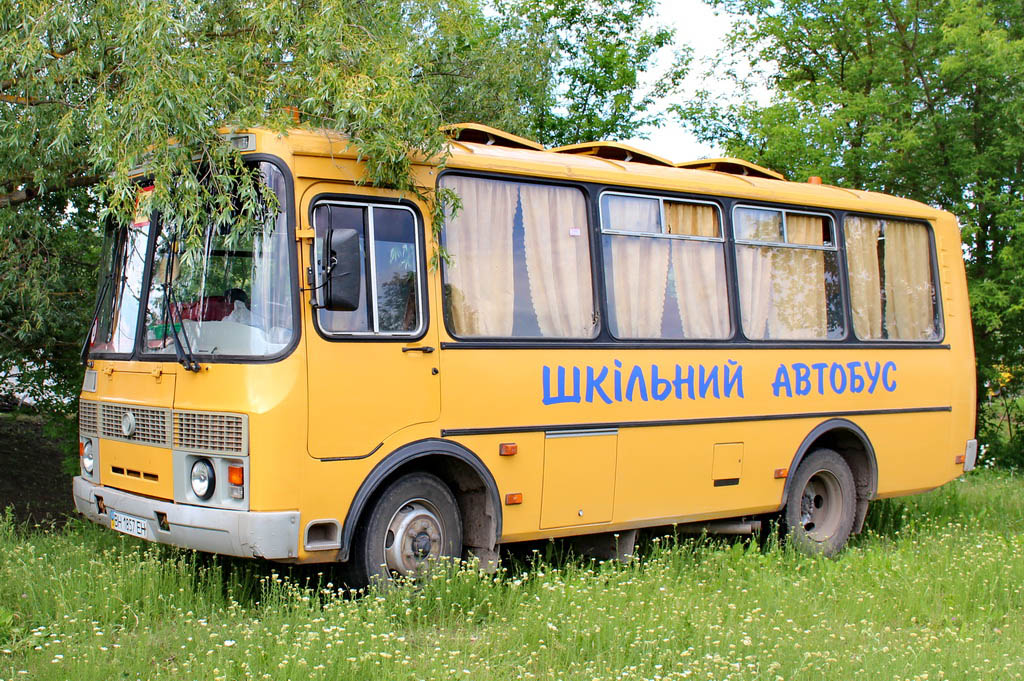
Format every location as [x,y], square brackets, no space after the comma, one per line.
[29,191]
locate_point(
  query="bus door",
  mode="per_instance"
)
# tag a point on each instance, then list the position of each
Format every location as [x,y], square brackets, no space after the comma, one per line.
[372,370]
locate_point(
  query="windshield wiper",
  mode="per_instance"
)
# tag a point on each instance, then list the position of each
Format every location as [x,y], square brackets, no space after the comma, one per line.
[182,351]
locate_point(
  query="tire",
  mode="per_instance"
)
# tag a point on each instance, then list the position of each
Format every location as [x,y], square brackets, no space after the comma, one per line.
[822,503]
[413,522]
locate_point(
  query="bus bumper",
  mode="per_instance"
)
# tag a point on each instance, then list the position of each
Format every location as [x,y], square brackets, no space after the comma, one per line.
[248,534]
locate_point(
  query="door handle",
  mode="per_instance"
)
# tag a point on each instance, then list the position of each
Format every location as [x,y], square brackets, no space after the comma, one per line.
[425,349]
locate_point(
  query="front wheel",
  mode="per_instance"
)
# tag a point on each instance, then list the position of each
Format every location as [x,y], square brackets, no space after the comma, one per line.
[822,502]
[415,521]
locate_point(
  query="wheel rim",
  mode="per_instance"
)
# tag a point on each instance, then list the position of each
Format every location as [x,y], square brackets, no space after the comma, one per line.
[821,506]
[414,536]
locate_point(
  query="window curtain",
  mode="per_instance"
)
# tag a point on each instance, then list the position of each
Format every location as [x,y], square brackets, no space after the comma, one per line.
[754,265]
[798,284]
[557,247]
[865,275]
[639,268]
[479,240]
[700,285]
[909,309]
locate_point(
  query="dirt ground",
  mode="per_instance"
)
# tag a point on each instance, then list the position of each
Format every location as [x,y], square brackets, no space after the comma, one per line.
[32,476]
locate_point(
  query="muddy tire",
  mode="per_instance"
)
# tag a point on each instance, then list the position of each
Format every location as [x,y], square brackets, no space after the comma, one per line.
[822,504]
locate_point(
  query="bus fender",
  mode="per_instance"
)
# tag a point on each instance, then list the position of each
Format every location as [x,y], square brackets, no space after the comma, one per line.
[825,434]
[404,455]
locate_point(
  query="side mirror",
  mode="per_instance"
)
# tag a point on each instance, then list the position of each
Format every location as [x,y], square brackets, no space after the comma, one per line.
[342,273]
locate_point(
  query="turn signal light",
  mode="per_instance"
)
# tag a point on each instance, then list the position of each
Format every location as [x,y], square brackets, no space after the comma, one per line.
[508,449]
[236,475]
[960,458]
[781,473]
[513,499]
[81,448]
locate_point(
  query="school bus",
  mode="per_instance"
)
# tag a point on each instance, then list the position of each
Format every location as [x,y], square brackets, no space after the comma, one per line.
[612,342]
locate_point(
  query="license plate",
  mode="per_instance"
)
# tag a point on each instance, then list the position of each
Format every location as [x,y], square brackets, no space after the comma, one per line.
[129,524]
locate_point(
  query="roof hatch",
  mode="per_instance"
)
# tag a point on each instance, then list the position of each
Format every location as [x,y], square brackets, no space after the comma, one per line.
[613,151]
[733,166]
[485,134]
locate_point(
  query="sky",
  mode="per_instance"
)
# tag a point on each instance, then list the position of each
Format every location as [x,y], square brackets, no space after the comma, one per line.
[697,25]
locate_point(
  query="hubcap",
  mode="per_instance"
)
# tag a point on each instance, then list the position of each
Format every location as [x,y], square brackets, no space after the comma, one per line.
[415,535]
[821,506]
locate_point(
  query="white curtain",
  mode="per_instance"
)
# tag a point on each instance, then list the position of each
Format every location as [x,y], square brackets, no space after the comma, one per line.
[639,267]
[479,240]
[909,306]
[862,236]
[558,260]
[701,290]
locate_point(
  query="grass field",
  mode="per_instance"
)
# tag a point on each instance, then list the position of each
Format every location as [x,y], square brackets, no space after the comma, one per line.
[935,590]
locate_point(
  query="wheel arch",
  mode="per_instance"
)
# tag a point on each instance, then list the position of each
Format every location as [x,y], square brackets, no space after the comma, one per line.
[851,442]
[467,477]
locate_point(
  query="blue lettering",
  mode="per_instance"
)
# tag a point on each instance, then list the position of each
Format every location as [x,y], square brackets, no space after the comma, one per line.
[856,380]
[561,395]
[708,380]
[802,378]
[661,388]
[781,382]
[594,385]
[636,378]
[885,376]
[680,381]
[873,377]
[838,387]
[820,368]
[733,380]
[618,381]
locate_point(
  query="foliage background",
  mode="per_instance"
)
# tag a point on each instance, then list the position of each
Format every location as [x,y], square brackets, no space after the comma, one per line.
[923,100]
[919,99]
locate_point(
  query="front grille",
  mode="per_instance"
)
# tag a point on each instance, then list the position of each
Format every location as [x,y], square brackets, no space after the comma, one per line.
[151,425]
[201,431]
[88,417]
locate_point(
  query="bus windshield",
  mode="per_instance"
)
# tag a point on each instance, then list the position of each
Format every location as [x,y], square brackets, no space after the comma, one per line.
[232,298]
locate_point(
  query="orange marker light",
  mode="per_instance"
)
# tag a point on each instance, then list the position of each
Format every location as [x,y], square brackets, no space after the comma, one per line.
[960,458]
[781,473]
[508,449]
[513,499]
[81,448]
[236,475]
[813,179]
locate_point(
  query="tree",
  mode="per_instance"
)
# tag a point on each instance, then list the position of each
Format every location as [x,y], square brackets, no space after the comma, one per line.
[92,89]
[601,48]
[924,100]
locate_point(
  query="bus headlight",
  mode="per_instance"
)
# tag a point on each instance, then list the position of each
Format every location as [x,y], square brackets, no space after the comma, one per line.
[88,457]
[203,480]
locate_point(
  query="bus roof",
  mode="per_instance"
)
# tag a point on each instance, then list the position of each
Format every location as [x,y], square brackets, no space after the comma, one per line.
[504,153]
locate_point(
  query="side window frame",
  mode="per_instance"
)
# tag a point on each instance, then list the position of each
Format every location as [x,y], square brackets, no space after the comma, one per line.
[842,273]
[591,225]
[606,291]
[938,309]
[374,334]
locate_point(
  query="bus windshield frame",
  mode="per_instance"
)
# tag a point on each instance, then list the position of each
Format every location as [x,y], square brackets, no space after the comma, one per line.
[233,323]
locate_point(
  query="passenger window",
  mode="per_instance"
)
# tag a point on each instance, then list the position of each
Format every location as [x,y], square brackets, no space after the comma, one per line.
[788,271]
[892,288]
[519,261]
[664,269]
[389,292]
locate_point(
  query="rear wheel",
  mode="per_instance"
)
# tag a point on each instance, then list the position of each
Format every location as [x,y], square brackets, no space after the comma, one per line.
[820,511]
[414,522]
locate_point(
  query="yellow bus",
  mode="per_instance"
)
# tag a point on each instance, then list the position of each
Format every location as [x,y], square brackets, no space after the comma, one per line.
[612,342]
